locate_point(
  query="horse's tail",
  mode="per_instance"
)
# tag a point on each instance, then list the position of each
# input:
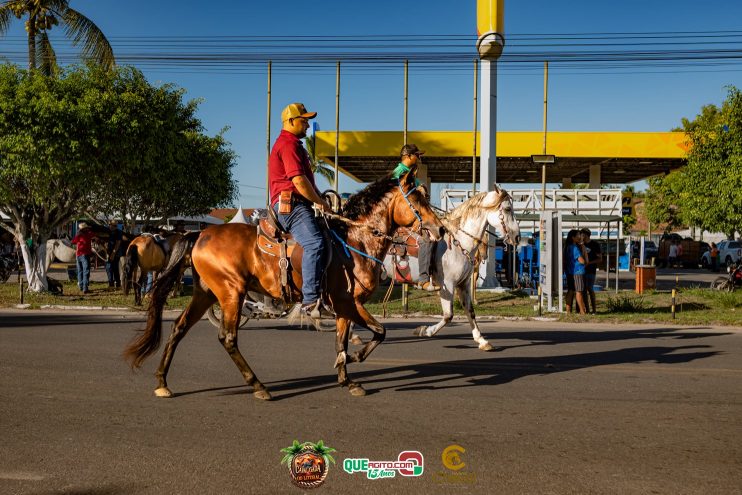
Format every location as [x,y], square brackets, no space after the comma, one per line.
[149,340]
[132,260]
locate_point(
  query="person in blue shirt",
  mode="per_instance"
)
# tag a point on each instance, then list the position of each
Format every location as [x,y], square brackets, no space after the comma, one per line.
[574,268]
[409,157]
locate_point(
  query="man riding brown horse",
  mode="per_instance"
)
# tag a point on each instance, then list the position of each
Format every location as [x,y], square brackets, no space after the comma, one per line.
[293,192]
[227,262]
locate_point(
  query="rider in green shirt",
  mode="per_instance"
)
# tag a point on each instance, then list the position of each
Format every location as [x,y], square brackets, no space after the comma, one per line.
[409,156]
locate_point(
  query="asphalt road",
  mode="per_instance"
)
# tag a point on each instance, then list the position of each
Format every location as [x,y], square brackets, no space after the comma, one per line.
[557,409]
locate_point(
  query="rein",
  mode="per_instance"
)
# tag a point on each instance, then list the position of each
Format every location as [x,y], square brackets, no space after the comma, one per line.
[347,247]
[409,203]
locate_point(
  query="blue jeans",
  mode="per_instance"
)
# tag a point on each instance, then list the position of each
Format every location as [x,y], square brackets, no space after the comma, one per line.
[148,284]
[303,226]
[113,272]
[83,272]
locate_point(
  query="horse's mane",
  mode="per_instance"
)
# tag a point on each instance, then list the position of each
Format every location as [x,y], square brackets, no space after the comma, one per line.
[458,214]
[363,202]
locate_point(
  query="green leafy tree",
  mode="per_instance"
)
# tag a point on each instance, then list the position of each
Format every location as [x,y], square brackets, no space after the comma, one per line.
[163,164]
[67,143]
[41,16]
[711,195]
[663,203]
[707,192]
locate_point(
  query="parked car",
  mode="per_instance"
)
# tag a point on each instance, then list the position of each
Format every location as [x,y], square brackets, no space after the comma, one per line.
[704,247]
[730,252]
[650,250]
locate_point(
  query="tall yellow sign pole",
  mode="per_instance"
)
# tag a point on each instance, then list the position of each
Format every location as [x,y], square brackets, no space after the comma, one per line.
[490,42]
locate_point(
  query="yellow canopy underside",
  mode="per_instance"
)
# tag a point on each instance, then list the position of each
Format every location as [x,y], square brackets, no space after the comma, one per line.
[632,155]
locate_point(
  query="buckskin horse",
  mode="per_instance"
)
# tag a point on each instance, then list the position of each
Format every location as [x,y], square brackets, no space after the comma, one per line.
[227,262]
[459,252]
[148,254]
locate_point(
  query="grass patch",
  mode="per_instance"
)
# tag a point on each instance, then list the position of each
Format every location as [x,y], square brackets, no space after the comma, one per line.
[100,295]
[696,306]
[627,304]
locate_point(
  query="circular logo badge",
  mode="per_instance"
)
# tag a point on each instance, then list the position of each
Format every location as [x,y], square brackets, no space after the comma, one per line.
[308,463]
[451,457]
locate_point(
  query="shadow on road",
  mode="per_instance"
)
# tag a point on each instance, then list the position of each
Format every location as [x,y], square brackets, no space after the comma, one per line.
[551,337]
[479,372]
[47,320]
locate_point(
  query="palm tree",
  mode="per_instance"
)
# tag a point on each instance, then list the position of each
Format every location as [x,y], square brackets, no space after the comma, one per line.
[41,17]
[319,166]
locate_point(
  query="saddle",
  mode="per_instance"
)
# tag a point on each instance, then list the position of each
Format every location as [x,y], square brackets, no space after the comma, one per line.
[404,253]
[405,243]
[274,241]
[160,241]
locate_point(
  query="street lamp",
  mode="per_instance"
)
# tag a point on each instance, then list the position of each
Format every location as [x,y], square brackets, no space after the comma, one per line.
[543,160]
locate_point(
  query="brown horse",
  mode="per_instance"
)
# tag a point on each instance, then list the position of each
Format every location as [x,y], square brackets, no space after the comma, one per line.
[227,263]
[148,255]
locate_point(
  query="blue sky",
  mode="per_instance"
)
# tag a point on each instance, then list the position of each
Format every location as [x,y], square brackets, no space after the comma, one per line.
[600,98]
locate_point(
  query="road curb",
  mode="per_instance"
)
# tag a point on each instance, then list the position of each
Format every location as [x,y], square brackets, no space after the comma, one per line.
[88,308]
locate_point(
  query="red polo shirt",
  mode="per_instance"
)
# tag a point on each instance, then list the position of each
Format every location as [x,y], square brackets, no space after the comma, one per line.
[84,242]
[288,159]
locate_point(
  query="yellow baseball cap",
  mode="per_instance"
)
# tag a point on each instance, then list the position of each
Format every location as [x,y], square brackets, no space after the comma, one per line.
[294,110]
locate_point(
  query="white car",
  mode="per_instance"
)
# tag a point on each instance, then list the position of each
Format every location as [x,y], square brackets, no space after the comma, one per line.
[729,252]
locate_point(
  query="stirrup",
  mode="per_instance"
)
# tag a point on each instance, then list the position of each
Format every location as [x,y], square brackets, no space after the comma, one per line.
[312,310]
[428,286]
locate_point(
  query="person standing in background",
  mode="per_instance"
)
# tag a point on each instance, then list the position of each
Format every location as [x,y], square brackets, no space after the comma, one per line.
[574,268]
[594,258]
[714,254]
[115,240]
[84,249]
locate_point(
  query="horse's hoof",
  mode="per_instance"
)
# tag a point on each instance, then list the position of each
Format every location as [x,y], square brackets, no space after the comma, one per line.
[418,332]
[356,390]
[486,347]
[356,340]
[163,392]
[262,395]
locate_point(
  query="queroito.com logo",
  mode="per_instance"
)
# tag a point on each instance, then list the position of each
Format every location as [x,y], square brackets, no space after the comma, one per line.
[409,463]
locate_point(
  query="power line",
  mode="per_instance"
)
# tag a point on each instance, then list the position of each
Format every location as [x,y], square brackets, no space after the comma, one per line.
[442,54]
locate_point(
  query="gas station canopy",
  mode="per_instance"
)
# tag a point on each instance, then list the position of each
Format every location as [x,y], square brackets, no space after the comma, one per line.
[623,157]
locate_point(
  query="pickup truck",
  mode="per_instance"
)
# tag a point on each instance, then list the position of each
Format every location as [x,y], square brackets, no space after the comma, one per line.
[729,252]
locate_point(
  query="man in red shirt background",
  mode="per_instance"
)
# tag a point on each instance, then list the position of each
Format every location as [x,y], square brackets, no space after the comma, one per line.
[293,191]
[84,243]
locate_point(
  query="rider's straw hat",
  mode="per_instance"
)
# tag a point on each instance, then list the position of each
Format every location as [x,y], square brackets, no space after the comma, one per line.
[294,110]
[82,225]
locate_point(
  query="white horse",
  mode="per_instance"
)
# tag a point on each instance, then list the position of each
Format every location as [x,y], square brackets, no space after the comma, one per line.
[459,251]
[60,249]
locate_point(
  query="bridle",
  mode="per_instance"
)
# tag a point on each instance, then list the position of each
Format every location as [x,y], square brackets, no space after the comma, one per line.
[501,198]
[409,203]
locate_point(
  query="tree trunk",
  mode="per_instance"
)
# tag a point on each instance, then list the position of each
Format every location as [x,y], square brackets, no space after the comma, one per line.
[31,42]
[34,261]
